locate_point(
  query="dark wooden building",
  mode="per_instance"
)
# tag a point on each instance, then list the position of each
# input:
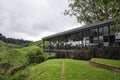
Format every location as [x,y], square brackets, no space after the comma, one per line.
[97,34]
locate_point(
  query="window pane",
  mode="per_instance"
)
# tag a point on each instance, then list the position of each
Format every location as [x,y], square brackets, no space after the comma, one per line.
[101,31]
[106,31]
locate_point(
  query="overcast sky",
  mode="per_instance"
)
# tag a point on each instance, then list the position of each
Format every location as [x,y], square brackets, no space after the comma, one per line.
[34,19]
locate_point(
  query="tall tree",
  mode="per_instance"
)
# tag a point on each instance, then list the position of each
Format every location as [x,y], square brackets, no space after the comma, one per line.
[90,11]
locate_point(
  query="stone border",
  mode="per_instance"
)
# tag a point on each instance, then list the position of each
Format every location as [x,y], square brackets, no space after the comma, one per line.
[104,66]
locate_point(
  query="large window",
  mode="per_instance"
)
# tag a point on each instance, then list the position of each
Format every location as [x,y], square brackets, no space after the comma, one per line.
[54,43]
[106,32]
[60,43]
[94,32]
[94,36]
[105,38]
[112,28]
[95,39]
[100,31]
[46,44]
[86,33]
[86,41]
[76,40]
[100,39]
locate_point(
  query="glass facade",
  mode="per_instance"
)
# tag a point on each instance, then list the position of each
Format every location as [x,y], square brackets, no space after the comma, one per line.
[101,35]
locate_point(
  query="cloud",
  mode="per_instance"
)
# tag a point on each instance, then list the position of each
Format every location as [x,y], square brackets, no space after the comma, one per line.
[34,19]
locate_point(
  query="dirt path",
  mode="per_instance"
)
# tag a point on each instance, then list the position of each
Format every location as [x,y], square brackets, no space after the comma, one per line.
[62,72]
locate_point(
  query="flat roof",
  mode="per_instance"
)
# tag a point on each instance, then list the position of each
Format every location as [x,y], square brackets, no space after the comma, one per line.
[80,28]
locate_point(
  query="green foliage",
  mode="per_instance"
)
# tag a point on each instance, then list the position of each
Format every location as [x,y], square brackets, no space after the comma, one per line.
[4,67]
[14,58]
[7,46]
[48,70]
[1,78]
[82,54]
[36,57]
[105,52]
[37,43]
[17,57]
[20,57]
[20,77]
[49,56]
[90,11]
[13,41]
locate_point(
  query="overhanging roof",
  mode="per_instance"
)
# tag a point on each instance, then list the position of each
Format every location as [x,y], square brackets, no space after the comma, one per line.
[80,28]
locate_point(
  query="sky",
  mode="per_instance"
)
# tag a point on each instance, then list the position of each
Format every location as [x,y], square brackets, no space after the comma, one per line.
[34,19]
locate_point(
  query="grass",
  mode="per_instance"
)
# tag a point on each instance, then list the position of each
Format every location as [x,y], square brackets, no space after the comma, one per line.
[73,70]
[48,70]
[80,70]
[107,61]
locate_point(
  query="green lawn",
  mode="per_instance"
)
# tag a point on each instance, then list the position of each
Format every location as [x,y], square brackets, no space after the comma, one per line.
[48,70]
[107,61]
[73,70]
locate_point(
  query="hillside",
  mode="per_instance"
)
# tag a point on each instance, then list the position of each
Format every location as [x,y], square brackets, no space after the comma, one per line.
[36,43]
[73,70]
[13,40]
[16,58]
[7,46]
[13,56]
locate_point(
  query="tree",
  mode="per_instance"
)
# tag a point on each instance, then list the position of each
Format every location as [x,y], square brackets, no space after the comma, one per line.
[14,41]
[91,11]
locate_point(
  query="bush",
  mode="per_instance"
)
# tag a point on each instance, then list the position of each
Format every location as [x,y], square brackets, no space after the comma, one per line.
[20,77]
[106,52]
[51,57]
[79,54]
[2,78]
[18,69]
[86,54]
[83,55]
[36,57]
[4,67]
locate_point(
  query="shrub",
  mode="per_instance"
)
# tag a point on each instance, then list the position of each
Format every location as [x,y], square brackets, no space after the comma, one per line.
[4,68]
[86,54]
[36,57]
[51,57]
[78,54]
[106,52]
[20,77]
[2,78]
[18,69]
